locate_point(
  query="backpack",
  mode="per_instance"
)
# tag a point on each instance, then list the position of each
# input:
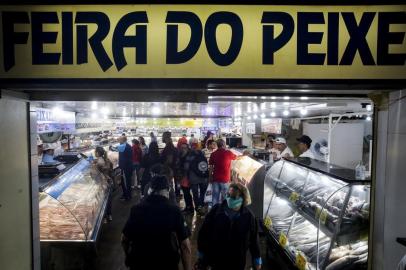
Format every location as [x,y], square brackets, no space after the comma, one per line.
[200,166]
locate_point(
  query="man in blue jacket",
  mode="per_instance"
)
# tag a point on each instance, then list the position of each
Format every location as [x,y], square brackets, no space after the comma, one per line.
[126,165]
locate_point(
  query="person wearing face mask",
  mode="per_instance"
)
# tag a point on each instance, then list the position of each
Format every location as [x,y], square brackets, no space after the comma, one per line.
[228,232]
[156,235]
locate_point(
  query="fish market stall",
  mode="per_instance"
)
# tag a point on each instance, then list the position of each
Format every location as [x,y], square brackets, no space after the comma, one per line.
[317,215]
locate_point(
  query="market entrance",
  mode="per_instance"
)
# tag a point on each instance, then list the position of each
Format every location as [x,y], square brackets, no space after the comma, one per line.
[341,135]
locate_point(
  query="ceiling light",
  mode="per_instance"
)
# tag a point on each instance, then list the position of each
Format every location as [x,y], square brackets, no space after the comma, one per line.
[285,113]
[94,105]
[105,110]
[156,110]
[369,107]
[303,111]
[94,116]
[248,117]
[209,110]
[255,116]
[105,116]
[273,114]
[273,97]
[57,110]
[369,118]
[286,98]
[262,115]
[304,98]
[263,97]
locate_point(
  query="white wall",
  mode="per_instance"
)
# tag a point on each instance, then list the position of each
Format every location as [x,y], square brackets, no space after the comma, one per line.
[15,187]
[390,195]
[346,141]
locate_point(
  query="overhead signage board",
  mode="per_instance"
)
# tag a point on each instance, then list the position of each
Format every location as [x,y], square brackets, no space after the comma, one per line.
[203,41]
[55,121]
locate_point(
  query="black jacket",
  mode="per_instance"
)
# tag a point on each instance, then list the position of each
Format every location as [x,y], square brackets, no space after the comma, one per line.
[224,242]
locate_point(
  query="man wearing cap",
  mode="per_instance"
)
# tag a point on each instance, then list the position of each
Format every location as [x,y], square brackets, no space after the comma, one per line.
[228,232]
[284,150]
[304,146]
[156,231]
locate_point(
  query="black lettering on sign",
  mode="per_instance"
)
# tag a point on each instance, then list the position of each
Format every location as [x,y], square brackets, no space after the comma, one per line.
[139,41]
[39,38]
[358,40]
[173,56]
[67,38]
[332,38]
[304,38]
[270,43]
[385,38]
[237,33]
[11,38]
[103,26]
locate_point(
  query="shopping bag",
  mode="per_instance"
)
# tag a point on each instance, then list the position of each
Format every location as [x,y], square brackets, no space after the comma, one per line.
[208,196]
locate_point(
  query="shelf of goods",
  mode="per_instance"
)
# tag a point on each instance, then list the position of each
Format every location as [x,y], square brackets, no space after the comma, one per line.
[71,207]
[317,214]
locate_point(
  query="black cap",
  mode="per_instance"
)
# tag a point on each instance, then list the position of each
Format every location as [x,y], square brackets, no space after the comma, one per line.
[306,140]
[159,182]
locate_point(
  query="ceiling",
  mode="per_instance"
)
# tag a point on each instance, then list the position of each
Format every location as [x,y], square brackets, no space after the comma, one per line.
[218,106]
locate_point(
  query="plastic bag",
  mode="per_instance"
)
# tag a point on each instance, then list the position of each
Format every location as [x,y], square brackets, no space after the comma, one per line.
[208,196]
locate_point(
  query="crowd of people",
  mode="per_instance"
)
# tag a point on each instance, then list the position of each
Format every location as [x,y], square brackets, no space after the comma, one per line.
[156,235]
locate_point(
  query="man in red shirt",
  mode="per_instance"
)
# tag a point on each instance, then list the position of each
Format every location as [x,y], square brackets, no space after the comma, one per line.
[182,140]
[136,157]
[220,171]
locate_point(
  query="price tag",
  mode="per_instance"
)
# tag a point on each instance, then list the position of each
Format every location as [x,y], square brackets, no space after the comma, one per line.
[301,261]
[268,223]
[323,216]
[283,240]
[294,197]
[79,156]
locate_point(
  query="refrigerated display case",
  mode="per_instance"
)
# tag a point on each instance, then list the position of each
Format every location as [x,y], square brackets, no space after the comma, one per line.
[317,214]
[72,206]
[250,173]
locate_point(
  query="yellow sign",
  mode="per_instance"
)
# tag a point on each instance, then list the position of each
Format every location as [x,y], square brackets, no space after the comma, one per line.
[268,222]
[283,240]
[294,196]
[301,261]
[203,41]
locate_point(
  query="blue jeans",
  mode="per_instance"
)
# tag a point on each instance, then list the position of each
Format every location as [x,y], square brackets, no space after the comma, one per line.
[219,188]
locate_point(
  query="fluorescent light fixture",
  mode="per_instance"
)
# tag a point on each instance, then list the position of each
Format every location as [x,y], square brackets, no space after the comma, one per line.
[273,114]
[262,115]
[303,111]
[263,97]
[255,116]
[94,116]
[105,110]
[317,106]
[369,107]
[286,97]
[156,110]
[285,113]
[369,118]
[57,110]
[209,110]
[94,105]
[273,97]
[304,98]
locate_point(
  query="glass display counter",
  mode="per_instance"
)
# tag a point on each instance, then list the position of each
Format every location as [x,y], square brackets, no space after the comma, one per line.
[317,214]
[72,206]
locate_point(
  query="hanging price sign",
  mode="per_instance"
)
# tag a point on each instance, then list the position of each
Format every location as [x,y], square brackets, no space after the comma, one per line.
[283,240]
[268,222]
[294,197]
[301,261]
